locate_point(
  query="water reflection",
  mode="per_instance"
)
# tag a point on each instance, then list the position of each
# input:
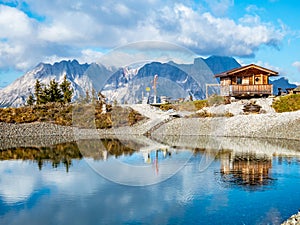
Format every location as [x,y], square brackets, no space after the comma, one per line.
[248,170]
[64,153]
[56,154]
[191,196]
[243,162]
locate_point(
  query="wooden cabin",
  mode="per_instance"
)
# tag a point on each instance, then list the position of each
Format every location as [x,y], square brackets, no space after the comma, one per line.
[246,81]
[296,90]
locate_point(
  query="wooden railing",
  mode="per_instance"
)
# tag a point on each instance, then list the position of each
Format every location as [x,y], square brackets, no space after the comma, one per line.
[240,90]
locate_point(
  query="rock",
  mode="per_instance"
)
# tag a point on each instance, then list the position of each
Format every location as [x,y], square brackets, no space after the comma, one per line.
[293,220]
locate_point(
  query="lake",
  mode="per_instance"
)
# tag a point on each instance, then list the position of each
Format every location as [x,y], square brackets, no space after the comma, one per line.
[137,180]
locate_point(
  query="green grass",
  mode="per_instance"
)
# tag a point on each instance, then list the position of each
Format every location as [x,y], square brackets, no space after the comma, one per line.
[287,103]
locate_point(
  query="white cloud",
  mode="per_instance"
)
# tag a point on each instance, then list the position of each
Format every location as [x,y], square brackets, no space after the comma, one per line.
[220,7]
[269,66]
[70,29]
[254,9]
[89,56]
[297,65]
[14,23]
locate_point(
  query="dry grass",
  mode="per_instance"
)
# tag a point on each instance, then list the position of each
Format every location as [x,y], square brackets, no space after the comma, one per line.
[196,105]
[63,115]
[185,106]
[208,114]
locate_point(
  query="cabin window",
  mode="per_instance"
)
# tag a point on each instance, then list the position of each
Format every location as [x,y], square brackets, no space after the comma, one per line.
[238,80]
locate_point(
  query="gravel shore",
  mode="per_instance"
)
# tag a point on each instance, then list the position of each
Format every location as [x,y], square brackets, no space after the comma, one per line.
[275,125]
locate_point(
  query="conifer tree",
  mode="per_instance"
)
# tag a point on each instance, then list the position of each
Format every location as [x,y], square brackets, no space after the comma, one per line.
[45,95]
[54,92]
[30,100]
[66,90]
[38,92]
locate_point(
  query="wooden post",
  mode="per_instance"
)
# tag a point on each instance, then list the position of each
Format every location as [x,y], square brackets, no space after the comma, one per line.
[210,85]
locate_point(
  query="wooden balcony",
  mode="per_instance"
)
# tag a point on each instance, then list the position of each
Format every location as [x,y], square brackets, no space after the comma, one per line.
[247,90]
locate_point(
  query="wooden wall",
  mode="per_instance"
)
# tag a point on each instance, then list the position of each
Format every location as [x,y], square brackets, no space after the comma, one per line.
[246,80]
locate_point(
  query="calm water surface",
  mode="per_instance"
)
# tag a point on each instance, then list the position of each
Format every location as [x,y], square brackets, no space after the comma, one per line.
[178,182]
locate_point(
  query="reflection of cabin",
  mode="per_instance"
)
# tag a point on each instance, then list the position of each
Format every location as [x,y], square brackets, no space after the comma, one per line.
[251,80]
[245,169]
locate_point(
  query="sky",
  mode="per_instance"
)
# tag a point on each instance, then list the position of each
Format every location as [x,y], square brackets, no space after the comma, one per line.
[264,32]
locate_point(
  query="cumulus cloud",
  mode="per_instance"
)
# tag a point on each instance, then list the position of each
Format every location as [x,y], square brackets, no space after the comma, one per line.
[72,29]
[270,66]
[297,65]
[220,7]
[254,9]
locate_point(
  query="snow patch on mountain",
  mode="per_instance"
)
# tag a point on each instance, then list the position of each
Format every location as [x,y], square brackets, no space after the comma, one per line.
[128,84]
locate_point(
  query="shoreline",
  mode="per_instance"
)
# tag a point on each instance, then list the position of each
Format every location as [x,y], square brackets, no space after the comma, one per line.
[277,126]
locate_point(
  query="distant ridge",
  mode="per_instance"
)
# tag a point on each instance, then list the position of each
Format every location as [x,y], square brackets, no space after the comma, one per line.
[126,84]
[219,64]
[282,83]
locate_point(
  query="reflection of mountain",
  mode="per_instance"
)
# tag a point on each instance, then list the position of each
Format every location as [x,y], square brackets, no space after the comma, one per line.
[269,147]
[104,148]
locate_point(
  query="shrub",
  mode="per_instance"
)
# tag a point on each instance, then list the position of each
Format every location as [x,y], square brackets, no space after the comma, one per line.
[216,100]
[287,103]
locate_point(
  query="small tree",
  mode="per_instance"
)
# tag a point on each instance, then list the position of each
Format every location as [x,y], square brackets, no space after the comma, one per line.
[38,91]
[94,97]
[87,97]
[66,90]
[55,94]
[30,100]
[45,95]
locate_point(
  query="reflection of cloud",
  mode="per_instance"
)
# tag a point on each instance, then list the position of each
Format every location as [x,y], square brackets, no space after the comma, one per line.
[76,182]
[20,179]
[17,180]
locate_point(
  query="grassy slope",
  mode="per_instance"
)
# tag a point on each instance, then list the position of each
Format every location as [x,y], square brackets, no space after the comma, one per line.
[287,103]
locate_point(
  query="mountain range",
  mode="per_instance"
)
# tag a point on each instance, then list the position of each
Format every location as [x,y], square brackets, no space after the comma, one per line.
[126,84]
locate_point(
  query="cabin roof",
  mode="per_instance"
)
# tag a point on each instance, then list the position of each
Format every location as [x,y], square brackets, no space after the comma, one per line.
[297,88]
[244,68]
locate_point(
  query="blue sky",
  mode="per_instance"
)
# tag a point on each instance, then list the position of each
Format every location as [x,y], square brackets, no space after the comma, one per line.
[265,32]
